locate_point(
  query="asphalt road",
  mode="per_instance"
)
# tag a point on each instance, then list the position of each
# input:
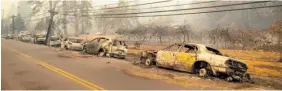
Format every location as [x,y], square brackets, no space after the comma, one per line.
[35,67]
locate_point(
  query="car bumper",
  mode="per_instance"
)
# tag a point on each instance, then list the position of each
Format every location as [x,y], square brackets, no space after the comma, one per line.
[118,54]
[77,48]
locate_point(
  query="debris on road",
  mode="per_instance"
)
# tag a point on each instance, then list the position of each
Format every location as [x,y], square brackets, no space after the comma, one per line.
[68,54]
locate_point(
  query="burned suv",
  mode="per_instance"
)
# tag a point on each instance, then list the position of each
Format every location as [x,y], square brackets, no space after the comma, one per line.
[197,58]
[103,46]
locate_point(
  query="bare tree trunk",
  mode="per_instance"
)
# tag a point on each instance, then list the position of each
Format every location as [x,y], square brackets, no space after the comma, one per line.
[76,25]
[184,37]
[279,44]
[65,19]
[160,38]
[49,31]
[76,18]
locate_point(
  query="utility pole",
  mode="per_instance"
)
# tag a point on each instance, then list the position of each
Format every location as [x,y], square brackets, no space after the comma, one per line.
[13,24]
[76,18]
[82,18]
[49,31]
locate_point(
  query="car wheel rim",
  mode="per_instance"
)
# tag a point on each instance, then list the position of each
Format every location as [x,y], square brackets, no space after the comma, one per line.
[101,54]
[147,62]
[202,72]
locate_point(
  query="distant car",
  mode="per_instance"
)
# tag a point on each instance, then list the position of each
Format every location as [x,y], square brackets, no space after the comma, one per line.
[26,38]
[10,36]
[103,46]
[39,38]
[54,41]
[4,35]
[21,34]
[73,43]
[197,58]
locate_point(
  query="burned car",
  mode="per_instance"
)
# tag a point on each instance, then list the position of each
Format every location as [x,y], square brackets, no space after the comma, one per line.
[26,38]
[39,38]
[4,35]
[10,36]
[54,41]
[22,34]
[103,46]
[73,43]
[197,58]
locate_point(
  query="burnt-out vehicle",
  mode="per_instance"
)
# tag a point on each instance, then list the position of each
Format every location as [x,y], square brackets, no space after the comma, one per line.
[104,46]
[197,58]
[54,41]
[39,38]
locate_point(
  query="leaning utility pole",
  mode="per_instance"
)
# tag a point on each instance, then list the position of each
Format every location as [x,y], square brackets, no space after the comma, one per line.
[49,31]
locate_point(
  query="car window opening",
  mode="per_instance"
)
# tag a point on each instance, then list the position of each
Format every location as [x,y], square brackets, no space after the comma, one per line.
[189,49]
[76,40]
[213,51]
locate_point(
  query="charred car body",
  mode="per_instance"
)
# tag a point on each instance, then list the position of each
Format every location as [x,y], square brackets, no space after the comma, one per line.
[197,58]
[73,43]
[54,41]
[26,38]
[10,36]
[39,38]
[103,46]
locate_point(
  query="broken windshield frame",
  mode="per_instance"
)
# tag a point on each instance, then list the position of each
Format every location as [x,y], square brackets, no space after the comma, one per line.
[213,51]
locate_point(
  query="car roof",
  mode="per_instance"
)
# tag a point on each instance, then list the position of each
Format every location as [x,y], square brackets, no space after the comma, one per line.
[202,45]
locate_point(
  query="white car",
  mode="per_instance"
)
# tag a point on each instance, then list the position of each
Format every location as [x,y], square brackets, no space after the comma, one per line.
[26,38]
[39,38]
[54,41]
[73,43]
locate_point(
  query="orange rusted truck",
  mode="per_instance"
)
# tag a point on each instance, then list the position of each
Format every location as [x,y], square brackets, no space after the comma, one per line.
[197,58]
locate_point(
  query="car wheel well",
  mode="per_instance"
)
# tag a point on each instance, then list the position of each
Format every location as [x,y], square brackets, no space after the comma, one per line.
[200,64]
[100,50]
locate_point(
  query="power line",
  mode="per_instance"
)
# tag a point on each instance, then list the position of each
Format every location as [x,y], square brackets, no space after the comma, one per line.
[214,11]
[114,3]
[134,5]
[184,9]
[195,3]
[205,7]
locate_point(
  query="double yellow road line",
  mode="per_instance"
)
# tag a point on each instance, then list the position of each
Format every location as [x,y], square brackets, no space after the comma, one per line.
[59,71]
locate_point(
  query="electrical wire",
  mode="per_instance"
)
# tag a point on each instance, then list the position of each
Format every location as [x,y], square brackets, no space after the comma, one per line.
[133,5]
[204,12]
[195,3]
[184,8]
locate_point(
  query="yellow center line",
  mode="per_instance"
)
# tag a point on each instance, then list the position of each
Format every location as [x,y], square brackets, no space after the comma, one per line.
[59,71]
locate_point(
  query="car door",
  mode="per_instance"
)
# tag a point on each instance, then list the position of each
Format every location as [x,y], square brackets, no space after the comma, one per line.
[91,45]
[185,58]
[166,57]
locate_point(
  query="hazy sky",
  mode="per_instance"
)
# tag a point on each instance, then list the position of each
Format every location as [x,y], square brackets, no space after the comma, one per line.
[10,6]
